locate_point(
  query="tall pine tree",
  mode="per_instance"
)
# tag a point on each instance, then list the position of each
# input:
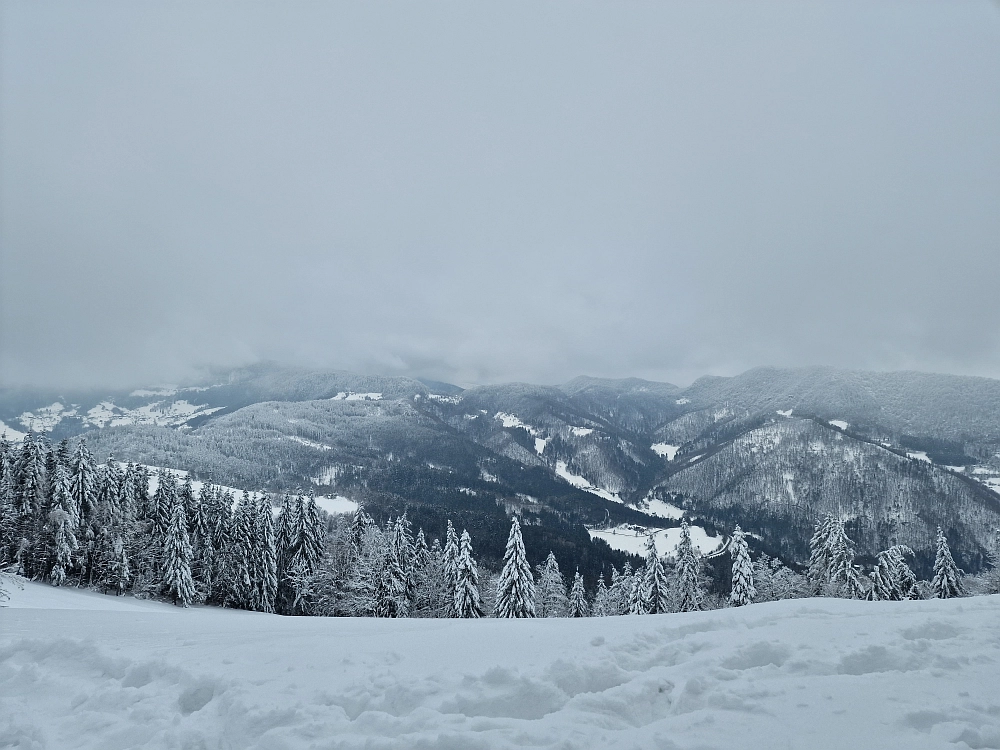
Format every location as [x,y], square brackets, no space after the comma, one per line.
[516,587]
[743,590]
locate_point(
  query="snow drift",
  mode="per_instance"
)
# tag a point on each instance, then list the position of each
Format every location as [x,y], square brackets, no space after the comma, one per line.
[80,670]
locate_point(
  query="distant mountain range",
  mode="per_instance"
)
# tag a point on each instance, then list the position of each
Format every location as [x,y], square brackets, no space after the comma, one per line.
[894,454]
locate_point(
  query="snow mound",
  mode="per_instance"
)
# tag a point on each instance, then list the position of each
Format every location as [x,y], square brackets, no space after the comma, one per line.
[811,673]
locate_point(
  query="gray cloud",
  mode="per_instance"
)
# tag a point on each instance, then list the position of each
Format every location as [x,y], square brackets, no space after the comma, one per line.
[528,191]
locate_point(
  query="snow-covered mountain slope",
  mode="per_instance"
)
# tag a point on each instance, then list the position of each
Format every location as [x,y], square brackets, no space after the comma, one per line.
[777,476]
[822,674]
[587,453]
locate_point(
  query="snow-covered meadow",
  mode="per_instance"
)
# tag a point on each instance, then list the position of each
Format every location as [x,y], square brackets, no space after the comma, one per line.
[82,670]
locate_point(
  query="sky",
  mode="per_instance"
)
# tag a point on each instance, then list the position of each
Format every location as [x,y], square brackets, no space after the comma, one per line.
[479,192]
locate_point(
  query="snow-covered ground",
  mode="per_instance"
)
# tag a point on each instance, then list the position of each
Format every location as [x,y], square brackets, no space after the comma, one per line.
[632,539]
[562,471]
[813,674]
[10,433]
[352,396]
[666,450]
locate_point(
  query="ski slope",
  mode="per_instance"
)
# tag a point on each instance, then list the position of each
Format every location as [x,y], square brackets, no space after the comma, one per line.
[810,674]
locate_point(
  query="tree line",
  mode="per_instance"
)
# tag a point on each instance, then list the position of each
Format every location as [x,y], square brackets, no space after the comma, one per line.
[68,520]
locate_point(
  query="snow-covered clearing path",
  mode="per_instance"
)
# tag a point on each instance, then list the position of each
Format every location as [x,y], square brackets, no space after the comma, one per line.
[809,674]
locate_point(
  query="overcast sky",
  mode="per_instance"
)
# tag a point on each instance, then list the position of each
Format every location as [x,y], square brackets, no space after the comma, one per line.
[516,191]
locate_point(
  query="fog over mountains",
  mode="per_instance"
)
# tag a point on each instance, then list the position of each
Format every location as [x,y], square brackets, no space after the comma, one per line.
[893,454]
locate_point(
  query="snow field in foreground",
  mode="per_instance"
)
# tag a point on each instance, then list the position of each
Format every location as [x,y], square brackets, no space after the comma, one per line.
[810,674]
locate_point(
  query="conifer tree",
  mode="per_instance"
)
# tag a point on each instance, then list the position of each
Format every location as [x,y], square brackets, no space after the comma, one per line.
[578,597]
[8,516]
[402,543]
[61,534]
[947,577]
[516,588]
[602,605]
[819,553]
[421,554]
[176,564]
[451,551]
[550,591]
[30,503]
[743,590]
[467,599]
[654,593]
[635,604]
[690,591]
[264,559]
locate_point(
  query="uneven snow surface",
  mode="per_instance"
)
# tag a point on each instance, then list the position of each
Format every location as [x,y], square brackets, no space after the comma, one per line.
[808,674]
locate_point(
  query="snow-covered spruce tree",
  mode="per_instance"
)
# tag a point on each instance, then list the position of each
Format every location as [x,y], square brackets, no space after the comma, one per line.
[176,565]
[516,588]
[467,600]
[450,560]
[238,581]
[110,528]
[689,576]
[369,590]
[30,503]
[287,543]
[843,571]
[185,491]
[743,590]
[578,606]
[403,546]
[83,484]
[602,604]
[432,598]
[621,589]
[8,516]
[892,579]
[655,591]
[947,577]
[311,532]
[264,559]
[60,536]
[819,554]
[636,605]
[550,591]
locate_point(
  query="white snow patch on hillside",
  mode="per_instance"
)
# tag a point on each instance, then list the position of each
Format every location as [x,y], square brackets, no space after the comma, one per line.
[444,399]
[682,401]
[632,539]
[581,483]
[11,434]
[840,424]
[46,418]
[918,455]
[540,444]
[661,509]
[310,443]
[785,413]
[581,431]
[160,413]
[805,673]
[336,505]
[352,396]
[665,450]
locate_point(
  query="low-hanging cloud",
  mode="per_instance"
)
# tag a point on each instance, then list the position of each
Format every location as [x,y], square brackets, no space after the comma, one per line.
[475,193]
